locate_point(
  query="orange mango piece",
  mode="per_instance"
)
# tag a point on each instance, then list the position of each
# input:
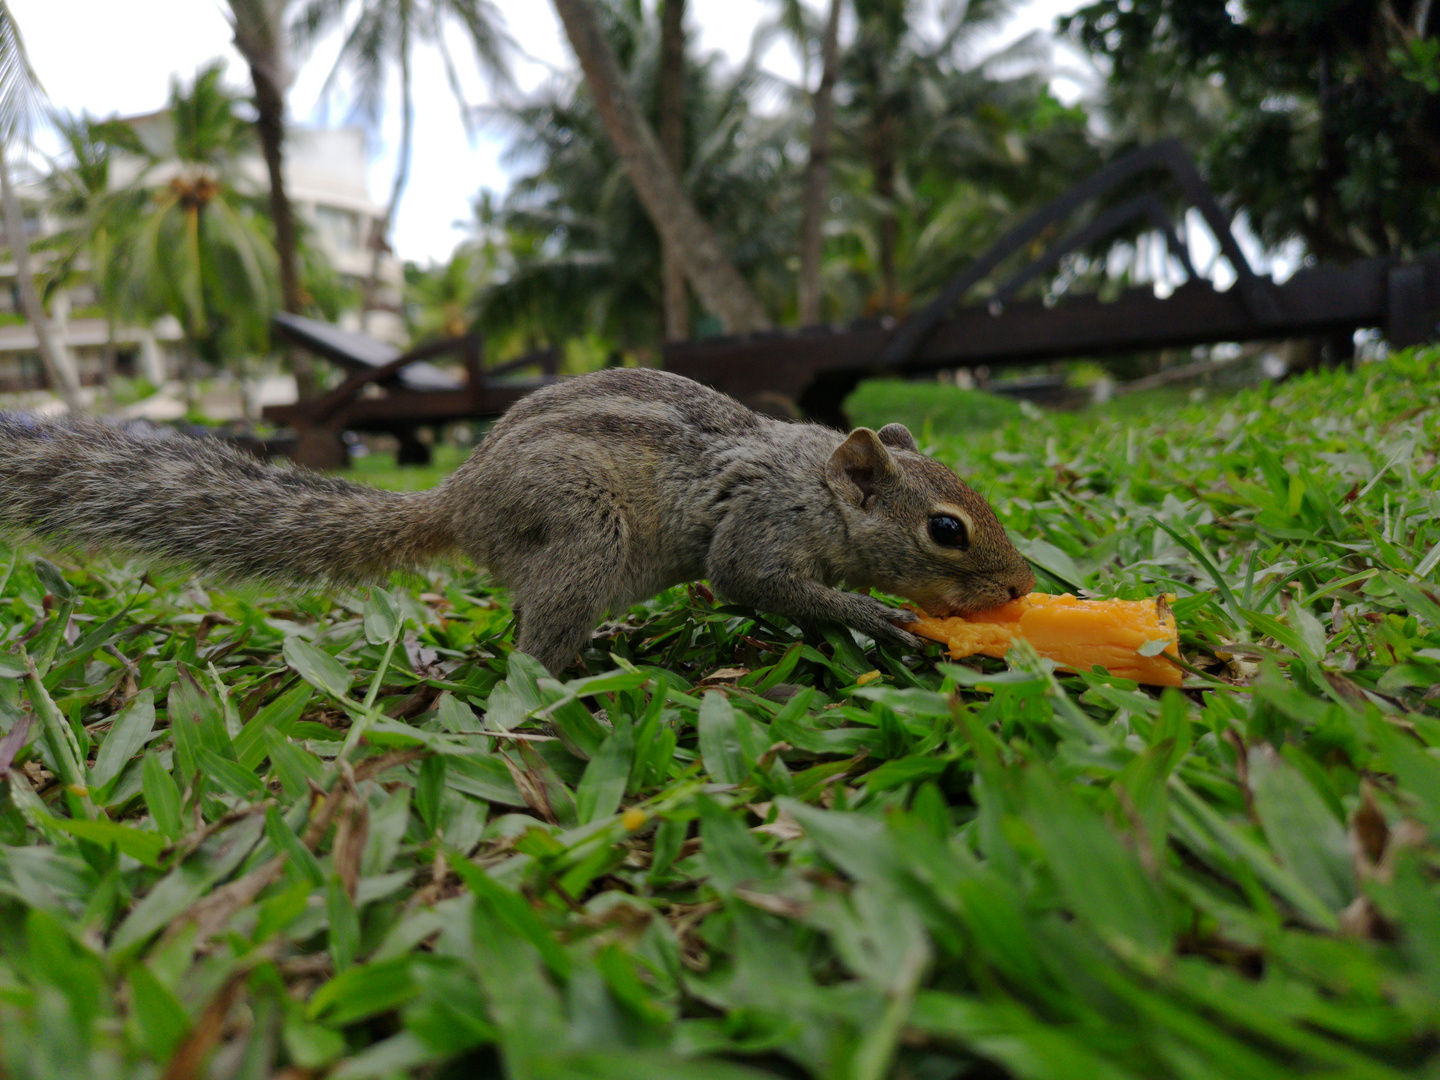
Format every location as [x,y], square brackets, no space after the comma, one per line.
[1076,634]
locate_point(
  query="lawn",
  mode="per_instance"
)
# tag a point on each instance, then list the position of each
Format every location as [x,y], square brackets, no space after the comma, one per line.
[357,836]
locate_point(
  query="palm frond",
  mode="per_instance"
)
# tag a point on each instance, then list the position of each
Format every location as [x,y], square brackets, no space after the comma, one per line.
[1029,54]
[314,20]
[484,24]
[452,77]
[22,98]
[260,34]
[363,55]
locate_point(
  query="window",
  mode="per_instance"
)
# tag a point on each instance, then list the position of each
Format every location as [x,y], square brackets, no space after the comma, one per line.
[339,230]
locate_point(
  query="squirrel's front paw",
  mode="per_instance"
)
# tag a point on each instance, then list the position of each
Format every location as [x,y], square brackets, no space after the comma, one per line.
[878,620]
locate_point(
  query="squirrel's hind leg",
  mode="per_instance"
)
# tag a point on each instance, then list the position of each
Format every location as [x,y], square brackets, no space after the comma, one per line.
[561,543]
[562,591]
[556,620]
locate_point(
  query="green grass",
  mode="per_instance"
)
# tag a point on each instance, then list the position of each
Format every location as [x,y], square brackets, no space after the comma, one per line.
[245,832]
[929,409]
[380,469]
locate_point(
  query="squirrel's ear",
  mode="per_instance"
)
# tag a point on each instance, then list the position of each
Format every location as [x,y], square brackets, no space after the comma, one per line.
[898,436]
[858,466]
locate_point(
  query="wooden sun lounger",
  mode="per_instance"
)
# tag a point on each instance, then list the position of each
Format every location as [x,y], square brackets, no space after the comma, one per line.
[409,392]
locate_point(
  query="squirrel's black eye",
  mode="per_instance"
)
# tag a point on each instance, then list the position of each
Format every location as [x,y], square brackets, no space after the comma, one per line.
[949,531]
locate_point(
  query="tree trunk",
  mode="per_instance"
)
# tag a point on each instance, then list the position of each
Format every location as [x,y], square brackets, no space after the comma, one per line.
[259,27]
[672,141]
[711,273]
[882,164]
[59,371]
[270,126]
[1327,237]
[817,171]
[196,324]
[380,238]
[109,365]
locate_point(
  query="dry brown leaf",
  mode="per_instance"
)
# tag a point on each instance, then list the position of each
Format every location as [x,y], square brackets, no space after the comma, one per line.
[784,827]
[783,906]
[190,1055]
[725,674]
[211,913]
[352,828]
[531,789]
[1369,833]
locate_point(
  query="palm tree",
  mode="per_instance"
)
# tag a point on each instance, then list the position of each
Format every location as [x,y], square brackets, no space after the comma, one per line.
[817,170]
[581,256]
[439,300]
[794,18]
[201,251]
[672,142]
[260,37]
[97,216]
[686,234]
[20,97]
[386,32]
[942,147]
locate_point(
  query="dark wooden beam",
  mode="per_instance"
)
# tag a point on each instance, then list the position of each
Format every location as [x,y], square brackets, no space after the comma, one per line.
[412,406]
[1322,300]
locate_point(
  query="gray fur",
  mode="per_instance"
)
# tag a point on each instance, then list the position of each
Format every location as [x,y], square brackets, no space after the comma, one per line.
[202,502]
[585,497]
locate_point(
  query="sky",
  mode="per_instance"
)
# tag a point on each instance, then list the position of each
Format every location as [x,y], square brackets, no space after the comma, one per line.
[119,56]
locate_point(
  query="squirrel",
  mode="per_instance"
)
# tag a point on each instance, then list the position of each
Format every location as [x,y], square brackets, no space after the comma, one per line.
[586,496]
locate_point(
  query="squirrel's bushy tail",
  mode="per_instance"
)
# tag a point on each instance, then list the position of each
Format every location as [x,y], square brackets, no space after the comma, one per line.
[206,504]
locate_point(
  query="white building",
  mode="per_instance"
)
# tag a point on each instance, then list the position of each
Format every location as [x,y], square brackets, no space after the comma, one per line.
[325,179]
